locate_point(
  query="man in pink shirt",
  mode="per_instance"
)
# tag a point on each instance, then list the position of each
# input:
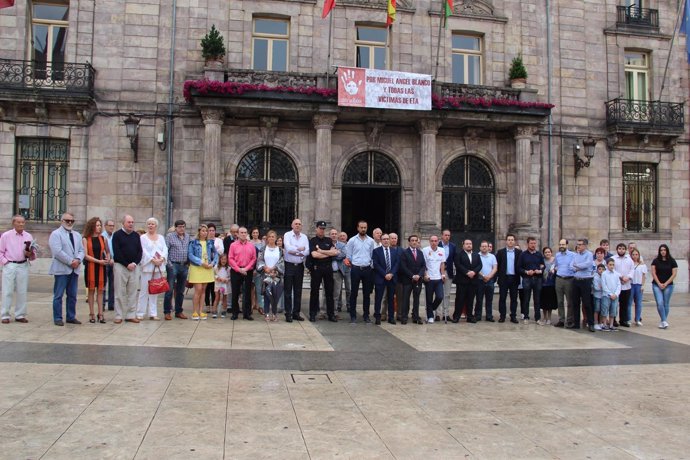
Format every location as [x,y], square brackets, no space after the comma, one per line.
[242,260]
[15,254]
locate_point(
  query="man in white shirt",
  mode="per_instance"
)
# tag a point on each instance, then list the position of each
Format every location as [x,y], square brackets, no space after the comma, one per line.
[487,280]
[296,247]
[625,267]
[435,276]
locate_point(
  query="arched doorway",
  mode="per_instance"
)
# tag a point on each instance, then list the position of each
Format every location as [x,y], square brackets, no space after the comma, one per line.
[468,201]
[371,191]
[266,189]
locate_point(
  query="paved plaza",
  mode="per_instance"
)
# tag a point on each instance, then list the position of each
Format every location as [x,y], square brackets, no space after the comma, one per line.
[239,389]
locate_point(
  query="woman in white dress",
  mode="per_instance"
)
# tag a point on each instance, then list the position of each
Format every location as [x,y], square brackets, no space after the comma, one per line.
[154,255]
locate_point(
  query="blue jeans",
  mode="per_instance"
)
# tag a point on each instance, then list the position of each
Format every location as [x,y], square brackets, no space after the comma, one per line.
[177,278]
[636,297]
[531,287]
[663,300]
[434,296]
[64,283]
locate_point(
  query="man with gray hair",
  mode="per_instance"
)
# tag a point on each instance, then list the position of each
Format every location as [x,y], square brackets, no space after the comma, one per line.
[128,253]
[15,253]
[68,254]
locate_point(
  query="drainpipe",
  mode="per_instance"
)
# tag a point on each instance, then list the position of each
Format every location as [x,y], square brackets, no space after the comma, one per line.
[169,131]
[549,224]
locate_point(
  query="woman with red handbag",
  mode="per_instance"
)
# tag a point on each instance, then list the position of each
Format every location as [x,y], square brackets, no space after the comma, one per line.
[153,277]
[96,257]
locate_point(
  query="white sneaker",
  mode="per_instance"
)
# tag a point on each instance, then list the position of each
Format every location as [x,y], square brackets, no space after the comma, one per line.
[430,320]
[661,325]
[548,322]
[638,323]
[665,324]
[597,327]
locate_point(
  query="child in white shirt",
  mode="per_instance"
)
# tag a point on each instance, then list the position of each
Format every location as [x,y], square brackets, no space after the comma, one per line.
[611,287]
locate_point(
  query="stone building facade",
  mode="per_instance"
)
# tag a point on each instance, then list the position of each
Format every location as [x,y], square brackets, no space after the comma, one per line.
[487,160]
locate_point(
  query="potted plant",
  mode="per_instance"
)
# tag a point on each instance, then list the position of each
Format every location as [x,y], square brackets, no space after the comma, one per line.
[517,73]
[213,48]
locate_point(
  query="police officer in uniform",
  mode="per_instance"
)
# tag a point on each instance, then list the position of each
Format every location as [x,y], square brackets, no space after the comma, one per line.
[322,251]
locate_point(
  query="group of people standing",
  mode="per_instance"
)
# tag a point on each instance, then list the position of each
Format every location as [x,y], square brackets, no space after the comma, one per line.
[269,272]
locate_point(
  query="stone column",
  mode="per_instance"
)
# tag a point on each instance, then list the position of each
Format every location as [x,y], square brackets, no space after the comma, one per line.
[428,218]
[523,167]
[323,123]
[210,198]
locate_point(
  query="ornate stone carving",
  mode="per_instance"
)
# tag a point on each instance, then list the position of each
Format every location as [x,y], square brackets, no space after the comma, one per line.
[612,140]
[428,126]
[474,8]
[257,77]
[268,127]
[212,116]
[471,139]
[374,130]
[324,120]
[404,4]
[522,132]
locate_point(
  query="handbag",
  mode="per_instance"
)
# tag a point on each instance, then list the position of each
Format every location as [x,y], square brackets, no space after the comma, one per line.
[158,285]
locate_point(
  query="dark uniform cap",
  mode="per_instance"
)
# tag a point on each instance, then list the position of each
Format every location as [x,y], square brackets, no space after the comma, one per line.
[321,223]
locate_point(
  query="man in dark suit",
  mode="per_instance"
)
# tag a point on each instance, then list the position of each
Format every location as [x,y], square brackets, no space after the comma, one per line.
[411,274]
[450,249]
[508,278]
[386,262]
[467,267]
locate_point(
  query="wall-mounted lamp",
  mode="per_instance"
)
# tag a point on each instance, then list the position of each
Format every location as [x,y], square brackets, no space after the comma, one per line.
[160,140]
[589,145]
[132,127]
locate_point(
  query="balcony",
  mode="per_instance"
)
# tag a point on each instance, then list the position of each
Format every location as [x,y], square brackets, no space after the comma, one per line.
[652,115]
[34,79]
[634,17]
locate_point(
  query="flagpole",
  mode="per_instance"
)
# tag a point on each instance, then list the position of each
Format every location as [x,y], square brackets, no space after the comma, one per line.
[330,45]
[438,44]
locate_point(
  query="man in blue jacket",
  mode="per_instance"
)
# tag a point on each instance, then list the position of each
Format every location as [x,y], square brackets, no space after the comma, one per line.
[386,262]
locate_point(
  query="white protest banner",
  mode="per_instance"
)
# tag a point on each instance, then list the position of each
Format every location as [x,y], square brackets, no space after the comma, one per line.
[383,89]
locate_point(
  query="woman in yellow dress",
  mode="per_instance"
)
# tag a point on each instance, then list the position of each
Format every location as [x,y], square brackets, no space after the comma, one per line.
[202,258]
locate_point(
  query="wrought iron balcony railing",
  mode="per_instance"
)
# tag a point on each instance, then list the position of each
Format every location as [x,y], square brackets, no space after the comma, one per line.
[65,78]
[656,114]
[635,16]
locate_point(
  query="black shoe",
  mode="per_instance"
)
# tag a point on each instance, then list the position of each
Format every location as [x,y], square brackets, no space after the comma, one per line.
[437,319]
[615,323]
[59,323]
[625,324]
[233,317]
[477,318]
[419,321]
[514,320]
[332,319]
[367,320]
[591,329]
[312,319]
[471,320]
[491,320]
[378,321]
[455,320]
[559,324]
[391,321]
[340,308]
[228,310]
[297,317]
[73,321]
[403,321]
[288,319]
[501,320]
[111,308]
[248,318]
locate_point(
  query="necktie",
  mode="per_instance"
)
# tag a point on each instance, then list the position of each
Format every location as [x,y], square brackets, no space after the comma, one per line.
[414,254]
[388,261]
[71,239]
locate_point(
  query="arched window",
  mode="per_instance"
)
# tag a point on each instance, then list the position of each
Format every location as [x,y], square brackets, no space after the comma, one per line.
[266,185]
[468,198]
[371,191]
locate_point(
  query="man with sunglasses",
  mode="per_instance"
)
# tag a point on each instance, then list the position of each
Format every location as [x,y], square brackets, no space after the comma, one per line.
[68,253]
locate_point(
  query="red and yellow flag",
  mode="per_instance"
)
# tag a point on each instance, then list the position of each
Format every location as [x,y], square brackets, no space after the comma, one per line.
[391,13]
[6,3]
[328,5]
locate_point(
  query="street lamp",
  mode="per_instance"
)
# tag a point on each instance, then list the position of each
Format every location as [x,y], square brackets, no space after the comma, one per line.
[132,127]
[589,145]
